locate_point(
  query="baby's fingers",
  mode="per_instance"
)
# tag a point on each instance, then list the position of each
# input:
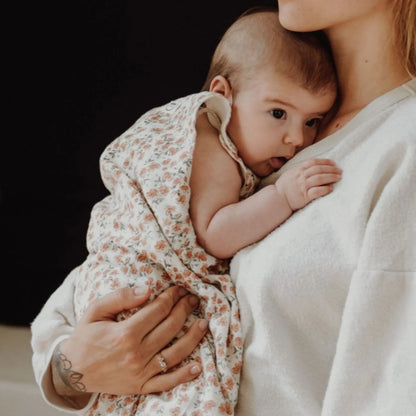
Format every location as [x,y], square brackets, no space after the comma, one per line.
[317,162]
[316,166]
[322,178]
[319,191]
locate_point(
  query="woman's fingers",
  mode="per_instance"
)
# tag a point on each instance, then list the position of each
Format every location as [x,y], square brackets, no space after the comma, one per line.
[164,359]
[163,334]
[108,306]
[184,346]
[174,355]
[179,351]
[164,382]
[119,357]
[149,317]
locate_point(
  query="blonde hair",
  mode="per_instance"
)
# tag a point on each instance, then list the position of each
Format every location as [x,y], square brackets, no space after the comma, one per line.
[257,39]
[404,20]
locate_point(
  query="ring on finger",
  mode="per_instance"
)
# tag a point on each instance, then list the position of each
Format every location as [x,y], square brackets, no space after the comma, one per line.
[162,362]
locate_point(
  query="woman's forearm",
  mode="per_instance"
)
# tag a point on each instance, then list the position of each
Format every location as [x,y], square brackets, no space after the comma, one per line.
[68,382]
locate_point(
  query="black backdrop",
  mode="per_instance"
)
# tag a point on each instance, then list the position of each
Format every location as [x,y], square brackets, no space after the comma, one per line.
[78,74]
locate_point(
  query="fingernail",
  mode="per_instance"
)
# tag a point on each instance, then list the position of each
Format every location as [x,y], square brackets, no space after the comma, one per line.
[195,369]
[203,324]
[140,289]
[182,291]
[193,300]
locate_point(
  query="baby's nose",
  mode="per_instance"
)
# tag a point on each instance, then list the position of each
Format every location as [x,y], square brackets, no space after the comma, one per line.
[294,137]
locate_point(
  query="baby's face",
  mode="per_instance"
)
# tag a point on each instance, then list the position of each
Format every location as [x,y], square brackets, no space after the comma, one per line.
[273,118]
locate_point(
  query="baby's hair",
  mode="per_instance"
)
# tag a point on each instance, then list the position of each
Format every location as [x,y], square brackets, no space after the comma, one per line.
[256,39]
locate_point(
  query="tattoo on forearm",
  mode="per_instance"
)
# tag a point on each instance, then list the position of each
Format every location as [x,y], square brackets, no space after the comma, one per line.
[63,367]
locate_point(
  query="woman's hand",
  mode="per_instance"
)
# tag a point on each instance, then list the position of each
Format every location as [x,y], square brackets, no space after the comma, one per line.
[106,356]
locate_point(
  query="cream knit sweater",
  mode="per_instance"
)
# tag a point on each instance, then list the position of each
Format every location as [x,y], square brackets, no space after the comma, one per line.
[328,300]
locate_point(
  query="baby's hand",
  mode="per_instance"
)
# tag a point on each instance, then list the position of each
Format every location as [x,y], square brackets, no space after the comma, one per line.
[312,179]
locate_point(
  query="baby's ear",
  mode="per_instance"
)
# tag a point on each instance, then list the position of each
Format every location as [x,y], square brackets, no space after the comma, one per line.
[221,85]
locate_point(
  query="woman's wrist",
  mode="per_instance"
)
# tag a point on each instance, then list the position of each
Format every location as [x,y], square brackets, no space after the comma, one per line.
[68,382]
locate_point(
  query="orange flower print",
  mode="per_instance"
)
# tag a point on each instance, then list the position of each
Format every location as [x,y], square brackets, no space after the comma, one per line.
[201,256]
[170,210]
[208,405]
[145,268]
[160,245]
[172,150]
[226,409]
[210,367]
[177,228]
[183,398]
[152,193]
[238,342]
[229,383]
[237,368]
[148,218]
[234,327]
[185,188]
[128,400]
[142,257]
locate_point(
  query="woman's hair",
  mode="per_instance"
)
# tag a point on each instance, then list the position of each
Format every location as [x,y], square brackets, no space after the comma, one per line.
[404,14]
[257,39]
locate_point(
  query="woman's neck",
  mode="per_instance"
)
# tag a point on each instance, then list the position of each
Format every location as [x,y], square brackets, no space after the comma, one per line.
[367,63]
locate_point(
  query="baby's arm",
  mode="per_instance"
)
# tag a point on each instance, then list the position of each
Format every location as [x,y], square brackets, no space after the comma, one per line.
[224,224]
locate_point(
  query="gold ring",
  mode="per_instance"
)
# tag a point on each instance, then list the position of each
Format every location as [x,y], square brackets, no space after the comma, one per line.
[162,362]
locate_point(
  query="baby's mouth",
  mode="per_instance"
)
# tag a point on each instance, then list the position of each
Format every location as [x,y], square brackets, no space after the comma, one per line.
[277,162]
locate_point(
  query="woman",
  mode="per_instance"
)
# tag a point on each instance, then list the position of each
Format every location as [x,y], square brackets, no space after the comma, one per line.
[329,320]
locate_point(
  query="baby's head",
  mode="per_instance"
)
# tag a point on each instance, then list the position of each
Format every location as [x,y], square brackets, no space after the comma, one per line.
[280,85]
[257,40]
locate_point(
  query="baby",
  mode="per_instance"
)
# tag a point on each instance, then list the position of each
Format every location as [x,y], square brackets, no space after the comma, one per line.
[182,202]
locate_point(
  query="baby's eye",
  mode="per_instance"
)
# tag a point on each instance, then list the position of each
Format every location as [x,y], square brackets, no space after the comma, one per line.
[313,122]
[278,113]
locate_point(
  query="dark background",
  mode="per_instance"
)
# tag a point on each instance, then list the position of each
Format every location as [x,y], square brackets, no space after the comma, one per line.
[76,75]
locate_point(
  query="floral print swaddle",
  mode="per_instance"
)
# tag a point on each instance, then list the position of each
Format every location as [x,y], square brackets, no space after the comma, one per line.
[142,232]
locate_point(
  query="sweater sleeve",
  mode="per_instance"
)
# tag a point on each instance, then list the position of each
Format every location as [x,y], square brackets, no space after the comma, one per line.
[54,323]
[374,369]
